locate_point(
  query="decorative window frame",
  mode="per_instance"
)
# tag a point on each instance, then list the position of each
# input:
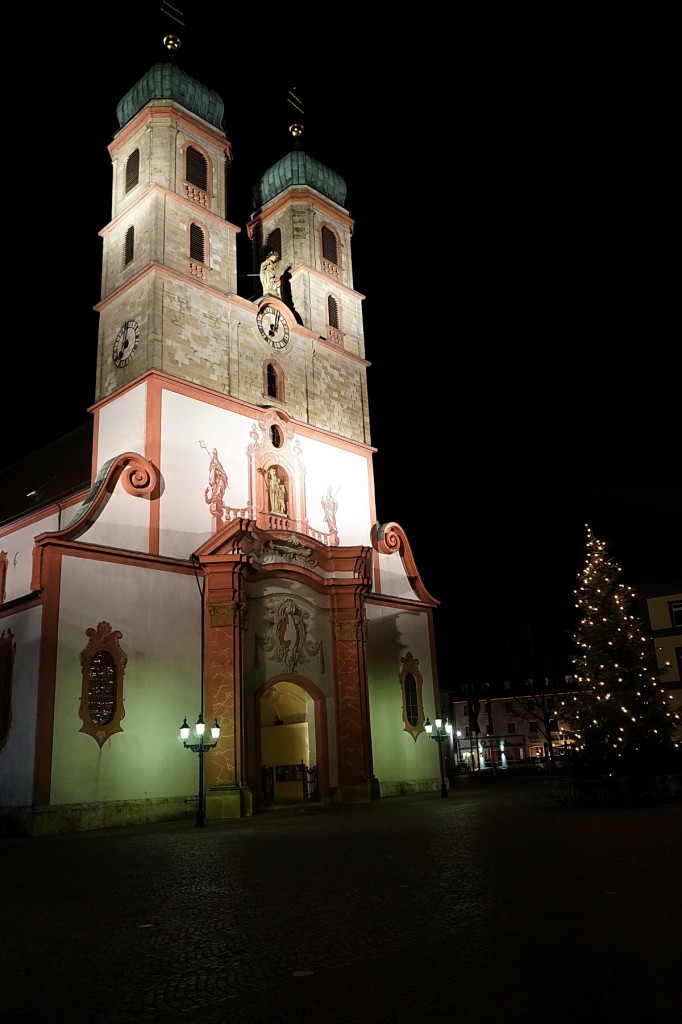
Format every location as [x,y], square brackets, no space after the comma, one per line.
[106,639]
[409,670]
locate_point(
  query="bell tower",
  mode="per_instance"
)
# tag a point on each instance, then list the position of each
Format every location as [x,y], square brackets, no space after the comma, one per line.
[168,250]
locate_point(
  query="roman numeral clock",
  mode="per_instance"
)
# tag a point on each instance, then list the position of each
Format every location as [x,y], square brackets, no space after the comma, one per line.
[126,342]
[273,326]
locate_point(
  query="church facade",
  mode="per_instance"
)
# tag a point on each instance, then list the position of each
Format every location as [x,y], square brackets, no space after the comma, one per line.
[226,562]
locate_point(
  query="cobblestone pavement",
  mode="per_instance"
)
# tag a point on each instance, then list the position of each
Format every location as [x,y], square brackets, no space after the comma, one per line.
[483,907]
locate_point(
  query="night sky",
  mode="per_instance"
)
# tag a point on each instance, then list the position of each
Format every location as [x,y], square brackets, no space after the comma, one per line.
[510,241]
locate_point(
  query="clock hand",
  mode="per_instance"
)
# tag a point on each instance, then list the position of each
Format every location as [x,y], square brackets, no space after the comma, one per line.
[275,326]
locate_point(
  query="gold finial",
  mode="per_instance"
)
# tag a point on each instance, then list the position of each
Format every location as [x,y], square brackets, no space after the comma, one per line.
[294,100]
[170,40]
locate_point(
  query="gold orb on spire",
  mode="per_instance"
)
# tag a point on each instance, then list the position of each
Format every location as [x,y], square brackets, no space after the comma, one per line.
[296,130]
[172,42]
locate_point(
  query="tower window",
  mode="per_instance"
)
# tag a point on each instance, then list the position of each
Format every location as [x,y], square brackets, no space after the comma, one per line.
[129,246]
[132,170]
[197,168]
[197,249]
[274,383]
[333,312]
[330,252]
[329,246]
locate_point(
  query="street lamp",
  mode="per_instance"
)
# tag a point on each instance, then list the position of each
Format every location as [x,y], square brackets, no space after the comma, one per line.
[443,732]
[200,748]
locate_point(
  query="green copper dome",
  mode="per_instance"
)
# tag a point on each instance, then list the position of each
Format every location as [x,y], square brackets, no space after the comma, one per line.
[168,82]
[297,168]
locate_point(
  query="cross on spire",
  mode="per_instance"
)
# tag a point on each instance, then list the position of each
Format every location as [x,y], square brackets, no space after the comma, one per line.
[294,100]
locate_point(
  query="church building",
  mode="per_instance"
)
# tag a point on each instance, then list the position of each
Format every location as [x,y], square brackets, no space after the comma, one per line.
[225,565]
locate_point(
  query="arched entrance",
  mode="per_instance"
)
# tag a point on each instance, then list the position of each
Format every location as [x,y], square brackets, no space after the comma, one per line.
[292,742]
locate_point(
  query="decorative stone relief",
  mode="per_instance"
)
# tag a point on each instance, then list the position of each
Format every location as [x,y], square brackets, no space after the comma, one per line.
[287,641]
[291,550]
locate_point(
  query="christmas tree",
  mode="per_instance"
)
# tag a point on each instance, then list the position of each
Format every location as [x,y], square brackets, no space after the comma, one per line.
[622,715]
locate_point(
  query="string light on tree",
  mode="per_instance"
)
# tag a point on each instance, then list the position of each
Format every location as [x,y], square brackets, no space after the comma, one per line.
[622,709]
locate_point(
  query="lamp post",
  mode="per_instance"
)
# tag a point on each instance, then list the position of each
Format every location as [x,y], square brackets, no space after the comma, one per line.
[200,748]
[442,733]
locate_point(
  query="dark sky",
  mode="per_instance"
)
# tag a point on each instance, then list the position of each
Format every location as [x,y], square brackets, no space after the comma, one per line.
[510,239]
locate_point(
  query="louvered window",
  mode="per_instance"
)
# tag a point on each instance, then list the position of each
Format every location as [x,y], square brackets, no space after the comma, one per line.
[197,168]
[133,170]
[129,247]
[329,248]
[196,243]
[333,312]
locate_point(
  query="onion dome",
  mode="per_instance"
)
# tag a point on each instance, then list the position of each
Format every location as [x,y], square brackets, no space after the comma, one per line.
[297,168]
[167,81]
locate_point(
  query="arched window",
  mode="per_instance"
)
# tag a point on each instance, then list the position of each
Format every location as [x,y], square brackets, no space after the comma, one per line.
[273,388]
[271,374]
[197,247]
[333,312]
[329,249]
[411,683]
[129,247]
[197,168]
[411,705]
[334,332]
[102,688]
[132,170]
[103,665]
[330,252]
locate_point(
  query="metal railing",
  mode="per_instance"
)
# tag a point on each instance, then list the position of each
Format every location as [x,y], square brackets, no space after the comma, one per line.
[607,792]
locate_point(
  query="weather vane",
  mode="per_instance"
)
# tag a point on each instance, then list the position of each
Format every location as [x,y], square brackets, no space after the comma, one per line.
[294,100]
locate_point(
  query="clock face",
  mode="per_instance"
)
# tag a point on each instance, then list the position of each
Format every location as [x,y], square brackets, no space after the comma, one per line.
[273,326]
[126,342]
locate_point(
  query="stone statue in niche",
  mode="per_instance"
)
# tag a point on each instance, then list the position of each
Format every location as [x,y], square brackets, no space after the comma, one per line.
[276,493]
